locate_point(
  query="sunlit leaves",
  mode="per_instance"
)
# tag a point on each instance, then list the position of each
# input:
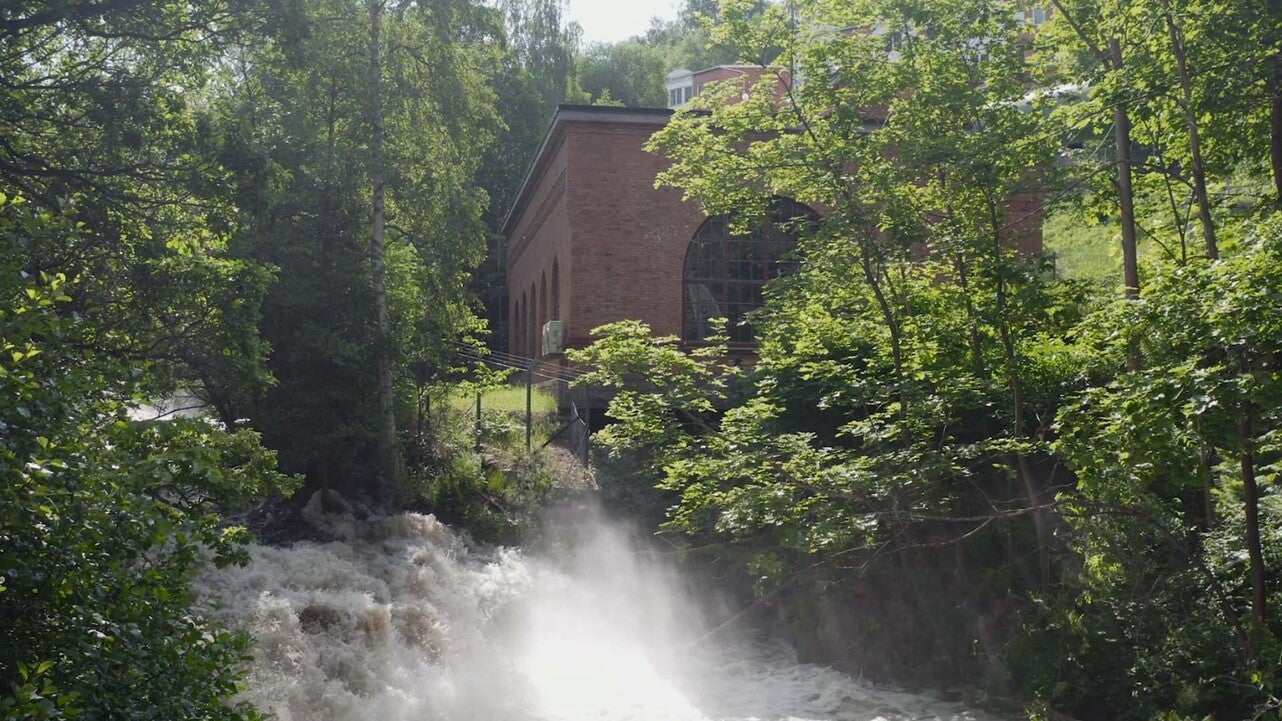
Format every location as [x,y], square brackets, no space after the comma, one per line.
[102,519]
[294,124]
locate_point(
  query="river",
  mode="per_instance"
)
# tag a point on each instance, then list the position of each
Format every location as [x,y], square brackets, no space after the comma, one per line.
[406,620]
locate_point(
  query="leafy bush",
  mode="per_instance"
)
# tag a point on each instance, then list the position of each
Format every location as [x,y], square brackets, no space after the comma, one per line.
[103,519]
[1175,610]
[492,488]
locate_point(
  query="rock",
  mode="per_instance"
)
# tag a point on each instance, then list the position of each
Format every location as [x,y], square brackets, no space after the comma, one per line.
[318,619]
[329,513]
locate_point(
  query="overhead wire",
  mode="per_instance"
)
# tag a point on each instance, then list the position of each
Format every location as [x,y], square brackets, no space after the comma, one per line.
[504,360]
[489,355]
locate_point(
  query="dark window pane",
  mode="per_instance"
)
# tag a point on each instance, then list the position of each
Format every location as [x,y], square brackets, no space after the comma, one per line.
[741,332]
[716,228]
[711,259]
[748,260]
[703,302]
[744,248]
[724,276]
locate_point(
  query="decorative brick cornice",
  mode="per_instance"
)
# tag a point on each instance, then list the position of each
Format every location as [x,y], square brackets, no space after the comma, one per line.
[555,193]
[552,140]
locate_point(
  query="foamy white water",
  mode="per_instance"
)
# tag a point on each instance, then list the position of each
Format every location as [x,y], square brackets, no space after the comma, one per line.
[408,621]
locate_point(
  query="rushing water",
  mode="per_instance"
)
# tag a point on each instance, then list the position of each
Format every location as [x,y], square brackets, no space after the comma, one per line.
[406,620]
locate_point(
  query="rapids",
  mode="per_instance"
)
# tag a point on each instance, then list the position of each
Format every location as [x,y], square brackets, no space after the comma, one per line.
[407,620]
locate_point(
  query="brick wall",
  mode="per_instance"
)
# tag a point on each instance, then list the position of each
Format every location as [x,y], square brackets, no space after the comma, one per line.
[630,239]
[615,245]
[747,77]
[538,244]
[600,240]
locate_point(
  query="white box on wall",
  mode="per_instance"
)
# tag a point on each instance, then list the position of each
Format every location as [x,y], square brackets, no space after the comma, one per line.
[553,337]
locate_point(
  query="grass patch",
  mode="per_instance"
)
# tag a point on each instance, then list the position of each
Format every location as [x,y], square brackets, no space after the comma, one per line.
[480,477]
[510,399]
[1088,251]
[1087,248]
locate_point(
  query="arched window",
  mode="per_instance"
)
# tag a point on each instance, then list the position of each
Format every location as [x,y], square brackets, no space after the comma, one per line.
[724,273]
[522,320]
[535,338]
[543,303]
[514,326]
[556,290]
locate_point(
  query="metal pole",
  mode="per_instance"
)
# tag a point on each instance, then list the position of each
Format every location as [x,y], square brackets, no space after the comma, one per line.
[587,425]
[418,426]
[529,405]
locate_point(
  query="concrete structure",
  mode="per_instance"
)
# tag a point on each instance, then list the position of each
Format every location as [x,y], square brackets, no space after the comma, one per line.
[680,87]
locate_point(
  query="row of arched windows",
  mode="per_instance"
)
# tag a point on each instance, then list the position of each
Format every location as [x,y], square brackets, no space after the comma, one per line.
[540,304]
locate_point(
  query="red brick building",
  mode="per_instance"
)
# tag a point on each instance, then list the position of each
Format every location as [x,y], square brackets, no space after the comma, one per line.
[590,240]
[685,84]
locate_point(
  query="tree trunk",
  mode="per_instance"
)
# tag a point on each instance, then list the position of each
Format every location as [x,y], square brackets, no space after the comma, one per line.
[1111,57]
[1125,194]
[1275,128]
[872,276]
[1251,497]
[1041,523]
[1041,519]
[972,321]
[1208,461]
[1195,139]
[1273,13]
[389,457]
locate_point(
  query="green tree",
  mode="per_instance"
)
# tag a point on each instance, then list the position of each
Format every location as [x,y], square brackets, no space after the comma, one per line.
[1197,111]
[118,287]
[536,73]
[104,519]
[298,117]
[630,73]
[128,142]
[1169,537]
[931,148]
[685,41]
[1101,28]
[909,369]
[917,368]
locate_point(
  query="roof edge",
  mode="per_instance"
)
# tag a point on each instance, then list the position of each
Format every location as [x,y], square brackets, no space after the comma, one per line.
[566,114]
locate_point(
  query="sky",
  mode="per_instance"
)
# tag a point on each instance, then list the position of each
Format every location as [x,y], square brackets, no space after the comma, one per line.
[609,21]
